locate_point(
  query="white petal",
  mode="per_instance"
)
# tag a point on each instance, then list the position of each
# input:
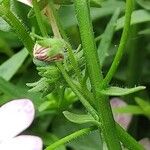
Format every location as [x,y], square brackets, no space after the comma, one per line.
[123,119]
[27,2]
[15,117]
[24,142]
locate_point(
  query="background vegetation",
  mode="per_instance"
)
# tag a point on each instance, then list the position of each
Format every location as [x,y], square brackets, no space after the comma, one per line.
[17,68]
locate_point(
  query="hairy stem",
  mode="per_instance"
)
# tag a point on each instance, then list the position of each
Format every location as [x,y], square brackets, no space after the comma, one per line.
[18,27]
[56,16]
[74,63]
[85,103]
[52,20]
[94,71]
[123,41]
[127,140]
[39,18]
[59,33]
[88,42]
[70,137]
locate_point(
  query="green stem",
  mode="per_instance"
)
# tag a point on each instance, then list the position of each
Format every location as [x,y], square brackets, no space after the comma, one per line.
[74,63]
[92,111]
[94,70]
[127,140]
[19,28]
[59,33]
[39,18]
[70,137]
[57,20]
[108,127]
[85,103]
[87,94]
[88,42]
[60,91]
[52,21]
[123,41]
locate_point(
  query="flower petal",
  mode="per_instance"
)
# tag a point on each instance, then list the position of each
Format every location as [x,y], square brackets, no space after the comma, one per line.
[146,143]
[15,117]
[23,142]
[123,119]
[27,2]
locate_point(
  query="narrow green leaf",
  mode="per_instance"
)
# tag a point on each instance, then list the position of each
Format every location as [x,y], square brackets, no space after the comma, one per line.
[39,18]
[14,91]
[144,105]
[144,3]
[5,48]
[141,102]
[131,109]
[117,91]
[69,138]
[107,37]
[18,27]
[144,32]
[39,85]
[80,119]
[11,66]
[47,105]
[44,106]
[10,89]
[49,138]
[96,3]
[138,16]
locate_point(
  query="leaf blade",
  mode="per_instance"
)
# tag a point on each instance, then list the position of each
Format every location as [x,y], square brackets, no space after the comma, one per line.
[107,37]
[117,91]
[80,119]
[138,16]
[11,66]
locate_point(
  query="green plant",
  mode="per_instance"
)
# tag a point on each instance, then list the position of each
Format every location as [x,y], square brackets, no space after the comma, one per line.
[69,72]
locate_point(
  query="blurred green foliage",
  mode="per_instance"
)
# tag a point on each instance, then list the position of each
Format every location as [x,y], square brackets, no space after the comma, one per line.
[17,69]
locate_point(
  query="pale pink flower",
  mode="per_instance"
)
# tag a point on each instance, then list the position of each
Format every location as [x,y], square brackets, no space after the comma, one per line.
[146,143]
[123,119]
[15,117]
[27,2]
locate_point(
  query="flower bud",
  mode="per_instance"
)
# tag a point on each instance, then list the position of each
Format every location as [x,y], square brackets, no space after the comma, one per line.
[49,49]
[47,54]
